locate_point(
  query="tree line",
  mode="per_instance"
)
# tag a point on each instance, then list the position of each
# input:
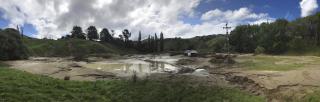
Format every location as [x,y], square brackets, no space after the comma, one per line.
[278,37]
[149,45]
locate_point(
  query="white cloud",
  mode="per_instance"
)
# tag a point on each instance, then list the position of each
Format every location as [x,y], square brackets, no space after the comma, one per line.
[308,7]
[216,19]
[231,16]
[54,18]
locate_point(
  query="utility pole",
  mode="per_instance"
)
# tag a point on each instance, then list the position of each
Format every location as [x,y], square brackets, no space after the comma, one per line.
[227,34]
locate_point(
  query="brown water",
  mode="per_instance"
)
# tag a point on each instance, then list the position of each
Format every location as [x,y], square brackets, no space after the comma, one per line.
[130,66]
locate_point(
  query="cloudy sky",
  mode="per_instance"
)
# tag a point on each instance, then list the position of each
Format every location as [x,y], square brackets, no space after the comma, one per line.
[175,18]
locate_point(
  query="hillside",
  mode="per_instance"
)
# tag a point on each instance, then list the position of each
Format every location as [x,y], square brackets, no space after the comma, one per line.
[70,47]
[209,43]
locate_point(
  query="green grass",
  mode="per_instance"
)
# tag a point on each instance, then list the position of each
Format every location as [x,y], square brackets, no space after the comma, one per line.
[312,97]
[62,48]
[17,86]
[275,63]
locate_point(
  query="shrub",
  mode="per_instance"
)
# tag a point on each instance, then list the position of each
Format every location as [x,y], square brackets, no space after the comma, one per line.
[11,46]
[259,50]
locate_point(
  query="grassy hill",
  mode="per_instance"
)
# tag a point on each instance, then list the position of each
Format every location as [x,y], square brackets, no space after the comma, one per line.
[71,47]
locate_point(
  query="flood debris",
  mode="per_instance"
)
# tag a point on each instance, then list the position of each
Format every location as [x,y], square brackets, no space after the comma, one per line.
[75,65]
[99,76]
[66,78]
[185,70]
[186,61]
[223,59]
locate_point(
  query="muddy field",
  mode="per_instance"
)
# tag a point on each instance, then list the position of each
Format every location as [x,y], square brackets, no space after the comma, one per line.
[258,75]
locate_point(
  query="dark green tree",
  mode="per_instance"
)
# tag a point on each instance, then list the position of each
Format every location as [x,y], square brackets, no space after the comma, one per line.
[126,34]
[139,40]
[243,38]
[149,44]
[92,33]
[11,45]
[156,44]
[161,42]
[77,33]
[105,35]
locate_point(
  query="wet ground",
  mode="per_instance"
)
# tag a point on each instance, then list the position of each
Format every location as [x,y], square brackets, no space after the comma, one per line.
[99,69]
[275,85]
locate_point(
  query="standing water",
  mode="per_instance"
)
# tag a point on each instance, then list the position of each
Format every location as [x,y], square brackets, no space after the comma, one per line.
[126,68]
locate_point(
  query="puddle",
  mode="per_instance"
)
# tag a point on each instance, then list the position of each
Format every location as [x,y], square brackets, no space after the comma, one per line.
[125,68]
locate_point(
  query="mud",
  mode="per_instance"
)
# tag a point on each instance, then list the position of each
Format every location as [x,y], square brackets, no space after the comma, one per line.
[276,86]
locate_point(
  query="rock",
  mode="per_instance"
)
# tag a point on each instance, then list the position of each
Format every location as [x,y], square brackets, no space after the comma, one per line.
[75,65]
[66,78]
[185,70]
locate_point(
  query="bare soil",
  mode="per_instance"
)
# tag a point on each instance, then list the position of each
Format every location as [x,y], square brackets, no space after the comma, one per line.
[276,86]
[60,68]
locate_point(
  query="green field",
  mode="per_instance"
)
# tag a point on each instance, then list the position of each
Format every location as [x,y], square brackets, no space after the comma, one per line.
[20,86]
[312,97]
[276,63]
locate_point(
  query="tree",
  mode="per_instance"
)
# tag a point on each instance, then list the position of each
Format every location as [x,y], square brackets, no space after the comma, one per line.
[11,45]
[77,33]
[105,35]
[218,44]
[152,48]
[149,43]
[126,34]
[121,37]
[161,42]
[92,33]
[243,38]
[155,46]
[139,40]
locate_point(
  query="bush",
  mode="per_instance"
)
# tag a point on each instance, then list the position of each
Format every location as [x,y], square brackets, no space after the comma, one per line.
[259,50]
[218,44]
[11,46]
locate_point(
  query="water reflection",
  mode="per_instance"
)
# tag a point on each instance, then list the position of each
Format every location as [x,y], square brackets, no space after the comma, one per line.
[141,68]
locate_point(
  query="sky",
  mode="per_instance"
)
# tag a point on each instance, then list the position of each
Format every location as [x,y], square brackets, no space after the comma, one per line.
[175,18]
